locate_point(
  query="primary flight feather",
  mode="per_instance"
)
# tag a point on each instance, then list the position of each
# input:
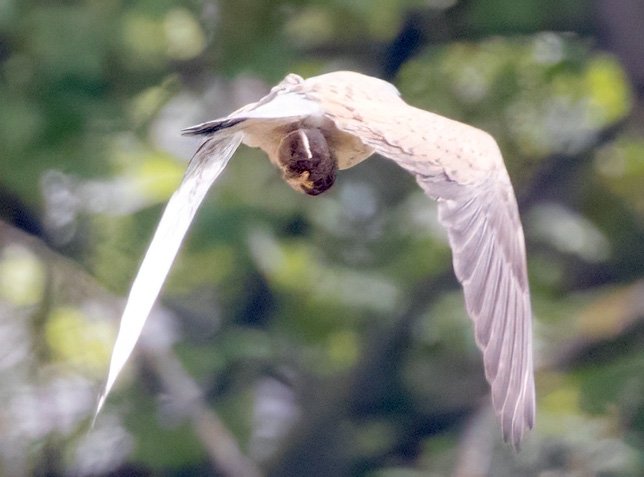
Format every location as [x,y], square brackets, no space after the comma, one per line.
[310,128]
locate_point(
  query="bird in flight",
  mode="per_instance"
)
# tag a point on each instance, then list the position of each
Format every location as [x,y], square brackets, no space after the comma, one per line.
[312,128]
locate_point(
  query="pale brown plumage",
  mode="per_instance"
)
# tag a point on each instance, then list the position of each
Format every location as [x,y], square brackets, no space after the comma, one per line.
[458,165]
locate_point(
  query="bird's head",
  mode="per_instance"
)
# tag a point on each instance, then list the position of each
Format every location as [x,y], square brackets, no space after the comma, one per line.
[307,162]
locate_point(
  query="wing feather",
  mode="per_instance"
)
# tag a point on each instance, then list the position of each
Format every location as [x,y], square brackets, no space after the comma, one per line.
[204,168]
[489,261]
[488,250]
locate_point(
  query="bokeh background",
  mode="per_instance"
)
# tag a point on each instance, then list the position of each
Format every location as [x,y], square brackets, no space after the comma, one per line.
[313,335]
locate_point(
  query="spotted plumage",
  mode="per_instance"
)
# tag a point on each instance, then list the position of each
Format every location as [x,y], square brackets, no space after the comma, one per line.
[310,127]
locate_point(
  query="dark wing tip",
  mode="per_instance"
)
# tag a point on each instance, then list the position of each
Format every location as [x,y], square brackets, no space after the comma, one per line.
[210,127]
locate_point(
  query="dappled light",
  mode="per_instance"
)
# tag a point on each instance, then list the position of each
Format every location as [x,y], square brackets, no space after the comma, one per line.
[321,335]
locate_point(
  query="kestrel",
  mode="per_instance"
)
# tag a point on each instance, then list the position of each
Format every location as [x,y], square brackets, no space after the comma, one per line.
[310,129]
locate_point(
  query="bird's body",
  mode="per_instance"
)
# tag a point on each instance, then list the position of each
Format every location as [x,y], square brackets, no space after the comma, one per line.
[309,128]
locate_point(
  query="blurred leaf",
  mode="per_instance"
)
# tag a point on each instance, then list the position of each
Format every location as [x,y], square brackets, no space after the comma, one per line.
[621,166]
[75,341]
[69,41]
[611,312]
[609,91]
[616,387]
[165,449]
[183,35]
[22,276]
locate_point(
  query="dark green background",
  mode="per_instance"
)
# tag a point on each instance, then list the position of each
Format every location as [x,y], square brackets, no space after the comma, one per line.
[337,317]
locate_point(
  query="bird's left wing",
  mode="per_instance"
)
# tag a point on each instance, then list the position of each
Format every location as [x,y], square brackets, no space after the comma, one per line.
[462,168]
[204,168]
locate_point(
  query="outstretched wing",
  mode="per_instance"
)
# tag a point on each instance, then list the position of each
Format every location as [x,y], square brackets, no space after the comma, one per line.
[462,168]
[259,119]
[204,168]
[488,250]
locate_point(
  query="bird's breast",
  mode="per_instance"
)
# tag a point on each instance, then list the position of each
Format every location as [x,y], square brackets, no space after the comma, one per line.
[308,151]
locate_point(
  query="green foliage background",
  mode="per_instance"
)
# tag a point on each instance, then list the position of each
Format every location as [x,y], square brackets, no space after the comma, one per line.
[299,335]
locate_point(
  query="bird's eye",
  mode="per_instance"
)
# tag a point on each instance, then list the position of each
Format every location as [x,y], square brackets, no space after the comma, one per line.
[307,162]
